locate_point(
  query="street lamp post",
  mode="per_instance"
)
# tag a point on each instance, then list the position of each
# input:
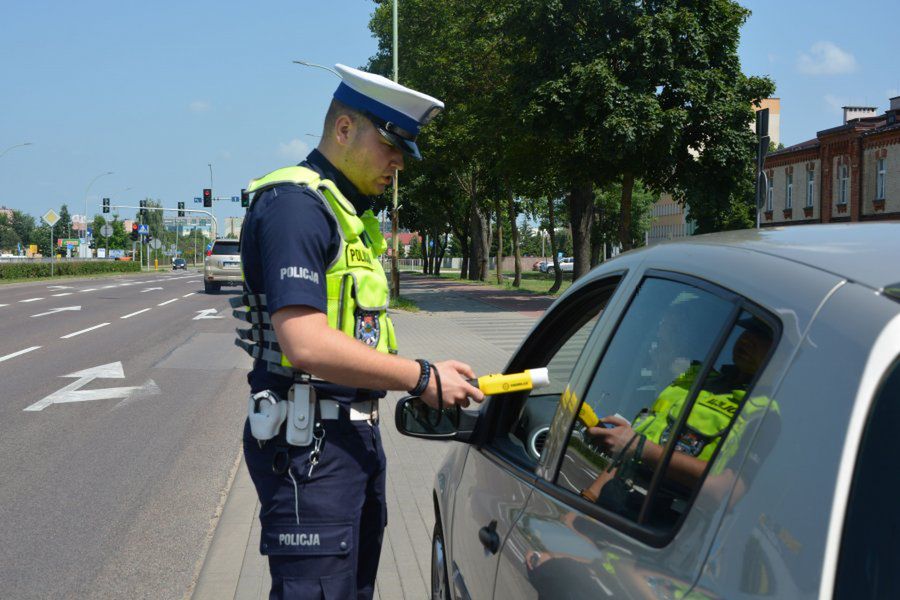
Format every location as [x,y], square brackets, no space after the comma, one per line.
[395,211]
[86,198]
[14,146]
[212,203]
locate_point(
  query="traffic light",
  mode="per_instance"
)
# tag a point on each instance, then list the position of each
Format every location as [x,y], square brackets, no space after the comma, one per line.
[143,210]
[207,197]
[106,205]
[245,199]
[149,238]
[134,232]
[181,209]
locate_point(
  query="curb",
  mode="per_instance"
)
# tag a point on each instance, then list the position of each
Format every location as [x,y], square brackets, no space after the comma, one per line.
[223,564]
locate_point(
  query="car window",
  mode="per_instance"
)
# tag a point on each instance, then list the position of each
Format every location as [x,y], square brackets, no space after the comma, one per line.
[226,247]
[668,388]
[525,421]
[870,556]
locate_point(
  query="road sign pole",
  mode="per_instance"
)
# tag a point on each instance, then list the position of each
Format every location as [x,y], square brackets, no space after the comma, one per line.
[52,253]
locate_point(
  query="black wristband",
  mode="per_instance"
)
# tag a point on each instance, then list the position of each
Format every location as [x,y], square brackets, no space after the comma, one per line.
[424,378]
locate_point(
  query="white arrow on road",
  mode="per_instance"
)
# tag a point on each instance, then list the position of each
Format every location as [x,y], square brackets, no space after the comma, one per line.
[151,289]
[207,314]
[74,393]
[53,311]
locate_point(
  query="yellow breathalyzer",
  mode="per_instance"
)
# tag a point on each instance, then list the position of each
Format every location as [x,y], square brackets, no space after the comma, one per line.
[514,382]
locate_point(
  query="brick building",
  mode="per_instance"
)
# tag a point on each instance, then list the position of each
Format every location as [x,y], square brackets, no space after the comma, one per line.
[847,173]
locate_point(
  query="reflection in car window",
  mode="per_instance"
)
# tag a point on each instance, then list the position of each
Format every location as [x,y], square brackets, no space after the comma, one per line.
[524,439]
[647,379]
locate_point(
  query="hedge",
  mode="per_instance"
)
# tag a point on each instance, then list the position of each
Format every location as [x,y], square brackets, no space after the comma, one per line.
[32,270]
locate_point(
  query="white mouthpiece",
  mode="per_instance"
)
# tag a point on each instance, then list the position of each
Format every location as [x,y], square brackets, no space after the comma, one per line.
[539,378]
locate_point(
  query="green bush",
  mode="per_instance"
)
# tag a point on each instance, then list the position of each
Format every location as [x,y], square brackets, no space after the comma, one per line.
[33,270]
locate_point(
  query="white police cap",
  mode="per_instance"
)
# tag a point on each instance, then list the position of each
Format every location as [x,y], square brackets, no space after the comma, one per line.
[396,111]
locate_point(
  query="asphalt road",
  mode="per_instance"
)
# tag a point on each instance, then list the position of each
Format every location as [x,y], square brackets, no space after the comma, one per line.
[119,429]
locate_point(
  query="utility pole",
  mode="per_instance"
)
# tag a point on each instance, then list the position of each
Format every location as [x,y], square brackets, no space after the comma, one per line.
[395,212]
[762,149]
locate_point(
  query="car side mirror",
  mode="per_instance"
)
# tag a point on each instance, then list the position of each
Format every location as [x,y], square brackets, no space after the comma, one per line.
[414,418]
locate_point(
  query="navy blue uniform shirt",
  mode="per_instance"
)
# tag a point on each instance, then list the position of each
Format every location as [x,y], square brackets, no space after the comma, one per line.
[287,242]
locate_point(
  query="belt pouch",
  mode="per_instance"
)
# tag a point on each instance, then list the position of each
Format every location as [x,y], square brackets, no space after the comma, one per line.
[300,414]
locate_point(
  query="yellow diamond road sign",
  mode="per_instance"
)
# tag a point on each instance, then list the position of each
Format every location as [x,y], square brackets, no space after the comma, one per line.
[51,217]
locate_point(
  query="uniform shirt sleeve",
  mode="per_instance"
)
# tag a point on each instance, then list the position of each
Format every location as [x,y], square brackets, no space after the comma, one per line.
[297,240]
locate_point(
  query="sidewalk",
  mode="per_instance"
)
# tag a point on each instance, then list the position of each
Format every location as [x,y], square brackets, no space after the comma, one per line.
[479,325]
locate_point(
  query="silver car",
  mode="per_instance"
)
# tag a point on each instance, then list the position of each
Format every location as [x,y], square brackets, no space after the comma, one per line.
[222,265]
[749,389]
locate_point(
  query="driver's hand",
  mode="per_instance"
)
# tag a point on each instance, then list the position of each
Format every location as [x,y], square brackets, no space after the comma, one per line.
[612,440]
[456,389]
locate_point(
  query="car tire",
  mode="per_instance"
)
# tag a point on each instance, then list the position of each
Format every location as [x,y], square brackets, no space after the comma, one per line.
[440,583]
[209,288]
[550,271]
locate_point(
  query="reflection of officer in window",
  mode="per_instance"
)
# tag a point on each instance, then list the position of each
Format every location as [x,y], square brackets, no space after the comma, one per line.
[642,442]
[316,297]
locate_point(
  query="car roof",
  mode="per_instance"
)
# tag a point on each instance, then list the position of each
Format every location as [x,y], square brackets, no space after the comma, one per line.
[862,252]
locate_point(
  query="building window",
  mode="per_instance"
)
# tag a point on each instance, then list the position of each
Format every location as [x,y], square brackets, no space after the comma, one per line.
[770,193]
[789,192]
[879,179]
[810,187]
[843,184]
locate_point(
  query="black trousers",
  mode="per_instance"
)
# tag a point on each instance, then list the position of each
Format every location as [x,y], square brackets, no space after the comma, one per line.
[322,532]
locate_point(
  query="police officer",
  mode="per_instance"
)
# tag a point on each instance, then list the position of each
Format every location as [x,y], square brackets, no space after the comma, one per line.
[316,299]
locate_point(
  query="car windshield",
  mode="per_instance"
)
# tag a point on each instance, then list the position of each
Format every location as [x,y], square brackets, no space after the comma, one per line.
[226,247]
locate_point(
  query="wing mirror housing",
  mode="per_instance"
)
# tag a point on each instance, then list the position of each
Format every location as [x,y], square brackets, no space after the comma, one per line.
[414,418]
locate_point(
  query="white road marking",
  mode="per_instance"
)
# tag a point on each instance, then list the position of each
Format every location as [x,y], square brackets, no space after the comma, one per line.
[59,287]
[89,290]
[2,305]
[150,289]
[208,313]
[19,353]
[71,335]
[53,311]
[106,287]
[31,300]
[134,313]
[63,294]
[74,393]
[185,296]
[167,302]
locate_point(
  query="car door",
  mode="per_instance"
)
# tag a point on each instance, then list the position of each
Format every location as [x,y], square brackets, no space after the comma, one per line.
[497,477]
[600,521]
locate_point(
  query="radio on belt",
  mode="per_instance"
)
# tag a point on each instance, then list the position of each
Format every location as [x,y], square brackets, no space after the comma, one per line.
[497,383]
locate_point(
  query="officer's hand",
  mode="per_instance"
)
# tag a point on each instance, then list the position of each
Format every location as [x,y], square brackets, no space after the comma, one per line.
[614,439]
[456,389]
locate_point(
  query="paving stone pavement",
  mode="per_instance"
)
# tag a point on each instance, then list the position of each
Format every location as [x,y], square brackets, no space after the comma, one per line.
[478,325]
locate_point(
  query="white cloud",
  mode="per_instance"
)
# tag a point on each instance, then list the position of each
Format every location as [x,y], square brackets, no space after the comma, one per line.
[199,106]
[294,150]
[825,58]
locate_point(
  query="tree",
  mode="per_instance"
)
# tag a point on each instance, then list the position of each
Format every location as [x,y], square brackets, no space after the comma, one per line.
[627,91]
[63,227]
[24,226]
[9,239]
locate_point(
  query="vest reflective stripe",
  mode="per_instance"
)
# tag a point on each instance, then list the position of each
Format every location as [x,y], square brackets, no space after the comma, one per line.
[710,416]
[356,287]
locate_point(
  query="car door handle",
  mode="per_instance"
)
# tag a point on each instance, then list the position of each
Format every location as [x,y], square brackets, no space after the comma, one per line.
[489,538]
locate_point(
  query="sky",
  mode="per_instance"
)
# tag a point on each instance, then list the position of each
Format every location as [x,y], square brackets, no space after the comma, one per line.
[156,92]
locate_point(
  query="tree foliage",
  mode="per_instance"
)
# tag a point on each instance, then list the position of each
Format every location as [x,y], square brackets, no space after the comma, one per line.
[574,100]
